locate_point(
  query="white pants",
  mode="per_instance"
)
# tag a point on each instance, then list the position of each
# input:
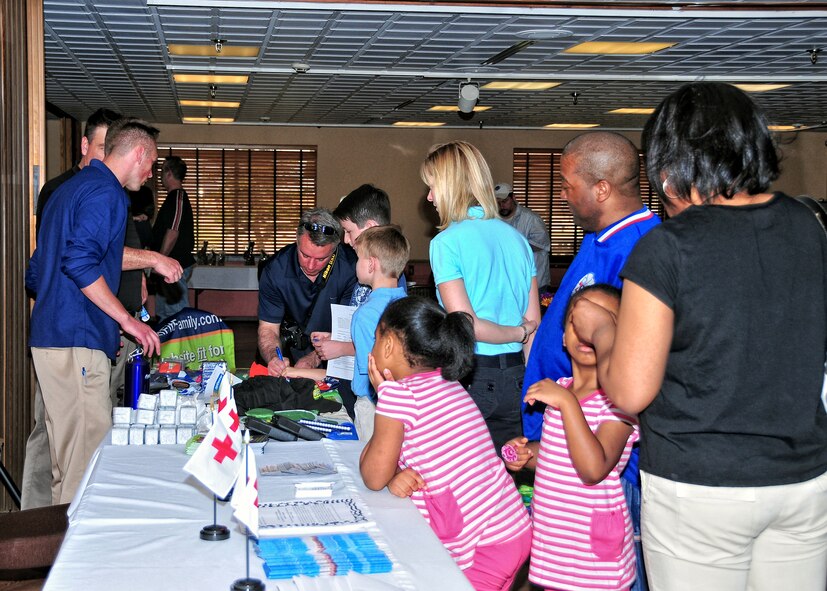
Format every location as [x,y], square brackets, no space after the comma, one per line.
[734,538]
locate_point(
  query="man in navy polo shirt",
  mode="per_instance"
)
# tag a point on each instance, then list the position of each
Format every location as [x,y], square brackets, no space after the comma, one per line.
[299,284]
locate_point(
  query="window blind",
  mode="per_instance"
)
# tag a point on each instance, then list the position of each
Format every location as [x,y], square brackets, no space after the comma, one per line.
[536,185]
[240,195]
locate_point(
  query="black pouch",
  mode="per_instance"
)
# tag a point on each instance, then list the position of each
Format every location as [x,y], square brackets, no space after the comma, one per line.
[280,394]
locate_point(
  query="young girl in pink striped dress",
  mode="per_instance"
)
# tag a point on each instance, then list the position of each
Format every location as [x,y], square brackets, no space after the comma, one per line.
[431,443]
[582,528]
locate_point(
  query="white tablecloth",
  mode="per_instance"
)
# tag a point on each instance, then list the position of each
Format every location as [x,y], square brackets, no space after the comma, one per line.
[134,524]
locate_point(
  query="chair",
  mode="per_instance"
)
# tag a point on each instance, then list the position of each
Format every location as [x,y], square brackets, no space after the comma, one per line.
[8,483]
[29,541]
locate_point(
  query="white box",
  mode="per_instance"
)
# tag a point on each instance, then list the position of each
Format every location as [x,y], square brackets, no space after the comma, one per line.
[145,417]
[121,415]
[151,435]
[183,434]
[136,435]
[120,435]
[313,490]
[168,398]
[188,415]
[166,416]
[148,401]
[167,435]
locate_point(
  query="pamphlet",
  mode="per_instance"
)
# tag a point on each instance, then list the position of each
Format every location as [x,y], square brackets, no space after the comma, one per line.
[311,517]
[341,367]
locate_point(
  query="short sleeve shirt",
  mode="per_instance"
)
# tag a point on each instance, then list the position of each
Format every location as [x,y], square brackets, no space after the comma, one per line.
[495,262]
[740,400]
[599,260]
[285,291]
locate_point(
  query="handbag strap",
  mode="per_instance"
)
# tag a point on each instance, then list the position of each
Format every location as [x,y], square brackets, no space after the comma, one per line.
[817,208]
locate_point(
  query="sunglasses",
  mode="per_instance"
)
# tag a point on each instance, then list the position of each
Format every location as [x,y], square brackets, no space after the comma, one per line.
[313,227]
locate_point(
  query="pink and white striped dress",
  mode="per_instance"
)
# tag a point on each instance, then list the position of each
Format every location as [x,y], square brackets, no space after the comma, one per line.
[582,534]
[447,442]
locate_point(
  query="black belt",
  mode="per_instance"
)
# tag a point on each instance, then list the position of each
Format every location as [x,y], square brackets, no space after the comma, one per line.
[501,361]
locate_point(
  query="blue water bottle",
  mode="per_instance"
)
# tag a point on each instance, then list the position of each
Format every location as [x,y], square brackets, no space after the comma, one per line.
[137,378]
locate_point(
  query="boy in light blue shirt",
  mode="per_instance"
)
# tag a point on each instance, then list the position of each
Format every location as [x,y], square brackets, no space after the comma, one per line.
[383,253]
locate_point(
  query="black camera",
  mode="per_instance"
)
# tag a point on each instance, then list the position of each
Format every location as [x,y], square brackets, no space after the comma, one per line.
[293,337]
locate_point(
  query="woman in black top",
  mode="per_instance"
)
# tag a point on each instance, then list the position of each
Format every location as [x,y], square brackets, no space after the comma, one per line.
[720,346]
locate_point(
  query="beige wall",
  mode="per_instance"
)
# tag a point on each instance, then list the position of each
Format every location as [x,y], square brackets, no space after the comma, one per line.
[390,159]
[387,158]
[803,164]
[53,150]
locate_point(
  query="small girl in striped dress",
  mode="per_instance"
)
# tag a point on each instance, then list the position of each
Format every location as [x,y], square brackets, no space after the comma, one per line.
[431,443]
[582,527]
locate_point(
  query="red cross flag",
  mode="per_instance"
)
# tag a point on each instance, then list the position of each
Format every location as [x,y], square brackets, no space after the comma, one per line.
[227,410]
[217,460]
[245,495]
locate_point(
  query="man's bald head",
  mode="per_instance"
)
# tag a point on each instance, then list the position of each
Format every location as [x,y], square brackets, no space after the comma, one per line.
[604,155]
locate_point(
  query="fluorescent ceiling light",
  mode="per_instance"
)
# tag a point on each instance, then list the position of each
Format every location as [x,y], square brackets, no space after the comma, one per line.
[222,104]
[418,123]
[208,120]
[209,50]
[633,111]
[617,47]
[783,127]
[455,108]
[209,79]
[759,87]
[517,85]
[571,125]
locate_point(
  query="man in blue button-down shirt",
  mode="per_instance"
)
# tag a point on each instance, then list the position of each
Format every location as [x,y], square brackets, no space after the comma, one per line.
[74,271]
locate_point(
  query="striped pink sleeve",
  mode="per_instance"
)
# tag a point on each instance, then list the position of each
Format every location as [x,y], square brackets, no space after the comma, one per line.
[396,401]
[611,413]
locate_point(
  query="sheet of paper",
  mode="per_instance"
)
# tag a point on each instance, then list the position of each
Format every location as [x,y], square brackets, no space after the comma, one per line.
[309,517]
[341,316]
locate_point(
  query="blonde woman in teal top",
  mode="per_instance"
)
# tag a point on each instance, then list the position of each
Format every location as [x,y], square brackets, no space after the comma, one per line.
[484,267]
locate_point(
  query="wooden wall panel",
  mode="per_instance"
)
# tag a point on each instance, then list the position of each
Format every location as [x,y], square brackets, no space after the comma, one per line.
[19,22]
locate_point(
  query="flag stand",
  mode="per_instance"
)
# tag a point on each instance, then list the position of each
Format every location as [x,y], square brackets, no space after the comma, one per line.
[247,583]
[215,532]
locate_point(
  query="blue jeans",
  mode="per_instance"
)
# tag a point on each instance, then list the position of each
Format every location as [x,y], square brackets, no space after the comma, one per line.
[632,494]
[171,298]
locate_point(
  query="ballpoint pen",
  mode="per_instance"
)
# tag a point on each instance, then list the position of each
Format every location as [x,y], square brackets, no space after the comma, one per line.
[281,358]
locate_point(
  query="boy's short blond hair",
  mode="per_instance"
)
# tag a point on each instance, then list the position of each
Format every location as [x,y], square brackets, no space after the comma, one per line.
[388,245]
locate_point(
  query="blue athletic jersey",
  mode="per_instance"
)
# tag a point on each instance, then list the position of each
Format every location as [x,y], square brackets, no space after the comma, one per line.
[599,260]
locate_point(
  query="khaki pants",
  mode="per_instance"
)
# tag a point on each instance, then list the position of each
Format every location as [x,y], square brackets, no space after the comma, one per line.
[36,488]
[364,410]
[734,538]
[75,386]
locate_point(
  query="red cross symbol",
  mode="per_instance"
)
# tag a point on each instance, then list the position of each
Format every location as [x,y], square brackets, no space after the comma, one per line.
[234,424]
[224,449]
[222,402]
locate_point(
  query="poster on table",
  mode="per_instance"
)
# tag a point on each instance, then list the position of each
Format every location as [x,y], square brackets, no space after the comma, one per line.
[194,336]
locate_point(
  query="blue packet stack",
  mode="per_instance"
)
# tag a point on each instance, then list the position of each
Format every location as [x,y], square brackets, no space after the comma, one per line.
[313,556]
